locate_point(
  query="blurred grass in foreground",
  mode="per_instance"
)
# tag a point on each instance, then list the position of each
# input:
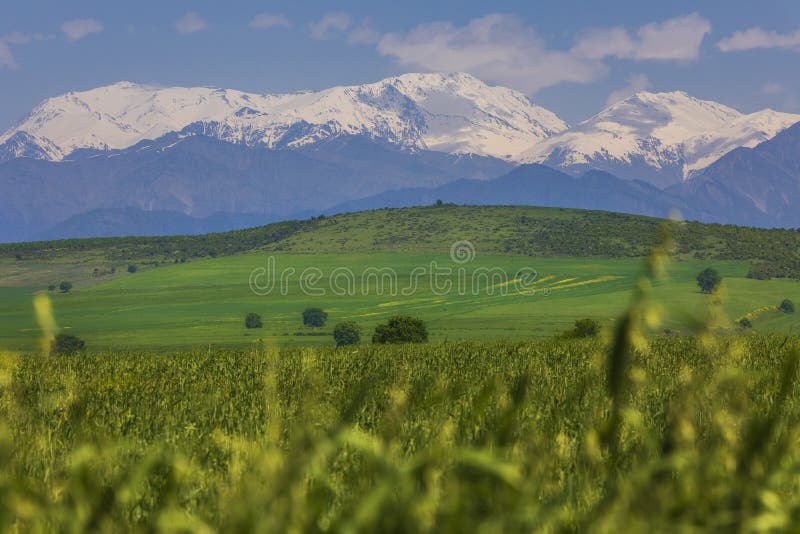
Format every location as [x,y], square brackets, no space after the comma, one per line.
[455,437]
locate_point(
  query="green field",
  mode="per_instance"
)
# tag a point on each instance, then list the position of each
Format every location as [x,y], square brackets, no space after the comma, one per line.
[203,303]
[586,264]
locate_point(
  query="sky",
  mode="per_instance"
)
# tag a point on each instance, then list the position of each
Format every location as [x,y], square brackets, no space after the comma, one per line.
[571,57]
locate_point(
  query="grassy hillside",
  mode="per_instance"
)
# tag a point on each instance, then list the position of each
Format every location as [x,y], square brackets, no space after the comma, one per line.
[586,265]
[492,229]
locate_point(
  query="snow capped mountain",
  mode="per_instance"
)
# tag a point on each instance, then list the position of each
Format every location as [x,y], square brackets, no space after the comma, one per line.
[662,138]
[453,113]
[23,145]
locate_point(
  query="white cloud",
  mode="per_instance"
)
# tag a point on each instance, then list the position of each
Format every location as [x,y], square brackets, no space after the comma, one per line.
[676,39]
[601,43]
[502,49]
[264,21]
[330,25]
[77,29]
[7,60]
[752,38]
[497,48]
[772,88]
[191,22]
[364,33]
[17,38]
[636,83]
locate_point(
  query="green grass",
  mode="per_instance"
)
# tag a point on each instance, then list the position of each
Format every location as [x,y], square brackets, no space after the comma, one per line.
[521,230]
[470,436]
[204,302]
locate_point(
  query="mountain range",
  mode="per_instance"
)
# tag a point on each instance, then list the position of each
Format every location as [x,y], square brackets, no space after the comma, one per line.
[136,159]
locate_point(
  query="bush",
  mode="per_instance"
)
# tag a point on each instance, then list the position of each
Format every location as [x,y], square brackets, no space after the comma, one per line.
[401,329]
[708,280]
[787,306]
[253,320]
[65,286]
[66,345]
[346,333]
[314,317]
[131,268]
[51,288]
[745,323]
[586,328]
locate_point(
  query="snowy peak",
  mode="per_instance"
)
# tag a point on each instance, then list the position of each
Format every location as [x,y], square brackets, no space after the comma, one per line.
[662,138]
[23,145]
[454,113]
[667,116]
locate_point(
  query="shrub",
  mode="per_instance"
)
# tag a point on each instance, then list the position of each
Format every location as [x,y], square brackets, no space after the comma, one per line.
[66,345]
[131,268]
[253,320]
[586,328]
[51,288]
[708,280]
[787,306]
[65,286]
[346,333]
[745,323]
[401,329]
[314,317]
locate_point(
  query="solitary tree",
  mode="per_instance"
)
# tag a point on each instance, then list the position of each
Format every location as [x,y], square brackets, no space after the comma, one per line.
[346,333]
[253,320]
[787,306]
[401,329]
[65,286]
[314,317]
[66,345]
[708,280]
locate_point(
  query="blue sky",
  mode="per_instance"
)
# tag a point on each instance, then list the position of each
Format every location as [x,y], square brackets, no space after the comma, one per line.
[571,57]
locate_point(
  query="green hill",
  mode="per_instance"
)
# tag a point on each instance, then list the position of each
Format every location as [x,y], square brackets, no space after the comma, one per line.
[491,229]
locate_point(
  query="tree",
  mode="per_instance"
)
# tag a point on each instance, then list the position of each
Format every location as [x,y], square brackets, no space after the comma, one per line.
[586,328]
[51,288]
[745,323]
[131,268]
[314,317]
[401,329]
[787,306]
[253,320]
[708,280]
[66,345]
[346,333]
[65,286]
